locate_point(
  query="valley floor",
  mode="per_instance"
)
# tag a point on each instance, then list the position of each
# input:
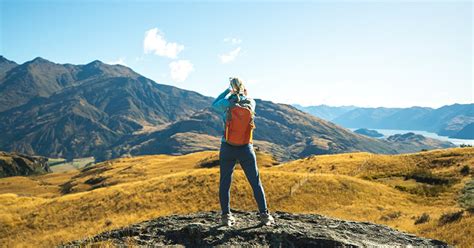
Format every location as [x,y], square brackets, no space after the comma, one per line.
[422,193]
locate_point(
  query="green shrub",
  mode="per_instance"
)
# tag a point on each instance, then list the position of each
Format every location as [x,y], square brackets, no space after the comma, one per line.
[450,217]
[209,162]
[466,199]
[465,170]
[422,219]
[425,176]
[423,190]
[391,216]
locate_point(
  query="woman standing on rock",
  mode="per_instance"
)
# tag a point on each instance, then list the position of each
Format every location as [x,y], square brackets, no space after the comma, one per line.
[236,144]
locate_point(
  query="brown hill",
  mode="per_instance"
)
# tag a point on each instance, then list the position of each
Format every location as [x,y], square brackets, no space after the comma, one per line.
[16,164]
[408,142]
[77,110]
[282,130]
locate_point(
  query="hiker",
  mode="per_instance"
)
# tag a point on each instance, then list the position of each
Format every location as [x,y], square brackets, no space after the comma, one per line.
[236,144]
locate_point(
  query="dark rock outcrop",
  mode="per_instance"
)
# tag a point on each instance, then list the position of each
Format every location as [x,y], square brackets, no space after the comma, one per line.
[291,230]
[17,164]
[368,132]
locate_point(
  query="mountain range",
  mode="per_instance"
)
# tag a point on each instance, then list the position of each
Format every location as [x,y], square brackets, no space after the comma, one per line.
[106,111]
[456,121]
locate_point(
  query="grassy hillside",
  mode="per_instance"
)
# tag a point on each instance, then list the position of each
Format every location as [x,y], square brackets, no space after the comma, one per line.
[396,190]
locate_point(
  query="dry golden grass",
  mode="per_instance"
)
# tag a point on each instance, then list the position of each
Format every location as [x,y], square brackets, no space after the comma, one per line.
[378,166]
[357,186]
[46,186]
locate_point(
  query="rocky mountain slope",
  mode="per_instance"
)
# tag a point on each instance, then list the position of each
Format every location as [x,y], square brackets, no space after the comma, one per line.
[16,164]
[281,130]
[75,110]
[107,111]
[5,65]
[291,230]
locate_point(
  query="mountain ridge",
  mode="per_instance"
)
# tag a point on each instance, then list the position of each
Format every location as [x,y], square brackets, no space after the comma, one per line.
[447,120]
[108,111]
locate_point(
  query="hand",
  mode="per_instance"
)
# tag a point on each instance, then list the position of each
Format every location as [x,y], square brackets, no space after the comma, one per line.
[245,91]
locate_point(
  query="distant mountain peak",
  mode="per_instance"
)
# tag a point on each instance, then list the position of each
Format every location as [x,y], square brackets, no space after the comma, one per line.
[96,62]
[5,60]
[98,67]
[39,61]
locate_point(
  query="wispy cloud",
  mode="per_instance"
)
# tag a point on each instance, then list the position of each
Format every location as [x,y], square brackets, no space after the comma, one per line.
[180,70]
[155,42]
[233,40]
[119,61]
[230,56]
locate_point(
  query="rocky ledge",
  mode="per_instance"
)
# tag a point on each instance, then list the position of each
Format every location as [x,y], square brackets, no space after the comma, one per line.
[17,164]
[290,230]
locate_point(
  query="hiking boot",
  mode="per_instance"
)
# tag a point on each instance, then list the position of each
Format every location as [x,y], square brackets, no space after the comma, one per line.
[228,219]
[266,219]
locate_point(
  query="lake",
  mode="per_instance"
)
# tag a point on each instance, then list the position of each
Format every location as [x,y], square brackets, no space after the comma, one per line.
[388,132]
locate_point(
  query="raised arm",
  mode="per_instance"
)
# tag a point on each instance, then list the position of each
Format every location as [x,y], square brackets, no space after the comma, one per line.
[221,102]
[252,104]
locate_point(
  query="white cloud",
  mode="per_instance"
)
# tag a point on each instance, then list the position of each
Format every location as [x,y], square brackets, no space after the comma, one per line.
[119,61]
[228,57]
[233,40]
[155,42]
[180,70]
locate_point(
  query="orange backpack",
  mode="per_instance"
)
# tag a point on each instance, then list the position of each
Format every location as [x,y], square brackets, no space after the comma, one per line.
[239,123]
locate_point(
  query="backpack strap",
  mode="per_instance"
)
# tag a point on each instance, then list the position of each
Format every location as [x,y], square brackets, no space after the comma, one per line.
[244,103]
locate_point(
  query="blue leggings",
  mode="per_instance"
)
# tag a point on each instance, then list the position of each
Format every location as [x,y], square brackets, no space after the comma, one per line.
[246,156]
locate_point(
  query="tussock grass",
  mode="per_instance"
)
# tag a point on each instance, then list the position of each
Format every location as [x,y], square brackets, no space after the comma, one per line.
[120,192]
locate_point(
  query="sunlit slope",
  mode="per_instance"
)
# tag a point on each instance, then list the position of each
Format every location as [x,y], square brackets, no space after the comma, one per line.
[74,215]
[64,206]
[133,169]
[47,186]
[445,162]
[113,172]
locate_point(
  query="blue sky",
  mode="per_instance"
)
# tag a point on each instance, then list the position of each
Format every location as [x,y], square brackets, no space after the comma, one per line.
[371,54]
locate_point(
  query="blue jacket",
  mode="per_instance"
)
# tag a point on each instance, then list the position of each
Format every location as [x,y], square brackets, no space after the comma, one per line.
[221,103]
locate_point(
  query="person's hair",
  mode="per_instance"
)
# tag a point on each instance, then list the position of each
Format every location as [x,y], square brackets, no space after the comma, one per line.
[238,86]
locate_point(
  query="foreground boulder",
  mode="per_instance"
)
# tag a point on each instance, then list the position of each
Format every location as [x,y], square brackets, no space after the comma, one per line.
[17,164]
[291,230]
